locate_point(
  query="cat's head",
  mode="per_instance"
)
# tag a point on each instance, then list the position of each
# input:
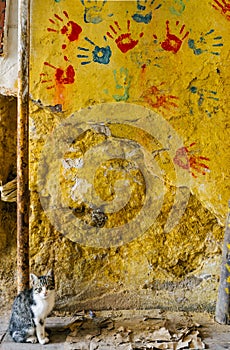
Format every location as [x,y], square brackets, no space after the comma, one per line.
[43,285]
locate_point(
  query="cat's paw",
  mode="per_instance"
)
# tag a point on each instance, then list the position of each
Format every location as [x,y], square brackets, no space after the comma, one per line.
[32,339]
[44,341]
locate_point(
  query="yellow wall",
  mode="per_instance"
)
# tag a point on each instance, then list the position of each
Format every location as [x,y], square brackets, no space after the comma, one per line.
[129,145]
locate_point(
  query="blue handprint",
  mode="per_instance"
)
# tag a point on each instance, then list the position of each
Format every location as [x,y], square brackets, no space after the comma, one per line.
[141,58]
[202,95]
[140,16]
[202,42]
[99,54]
[93,11]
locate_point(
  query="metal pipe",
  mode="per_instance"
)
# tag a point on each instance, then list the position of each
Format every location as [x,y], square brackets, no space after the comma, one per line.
[223,302]
[22,145]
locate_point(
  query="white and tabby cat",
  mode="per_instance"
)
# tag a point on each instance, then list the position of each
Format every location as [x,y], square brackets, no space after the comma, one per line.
[30,309]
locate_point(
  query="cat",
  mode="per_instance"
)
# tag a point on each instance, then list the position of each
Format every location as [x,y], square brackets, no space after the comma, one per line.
[30,309]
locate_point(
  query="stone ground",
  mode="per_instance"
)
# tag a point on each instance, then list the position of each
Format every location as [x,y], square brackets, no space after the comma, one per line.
[127,330]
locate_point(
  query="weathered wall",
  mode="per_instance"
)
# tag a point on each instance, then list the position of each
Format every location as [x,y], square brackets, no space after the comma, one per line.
[8,117]
[128,150]
[8,61]
[8,110]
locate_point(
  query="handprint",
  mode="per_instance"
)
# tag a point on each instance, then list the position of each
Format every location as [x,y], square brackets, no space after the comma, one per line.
[71,29]
[199,47]
[178,8]
[122,81]
[143,14]
[99,54]
[61,76]
[186,159]
[203,94]
[57,82]
[124,41]
[223,6]
[172,42]
[93,11]
[156,98]
[141,58]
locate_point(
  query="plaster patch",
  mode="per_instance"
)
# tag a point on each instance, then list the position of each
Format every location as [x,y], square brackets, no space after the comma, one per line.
[126,175]
[69,163]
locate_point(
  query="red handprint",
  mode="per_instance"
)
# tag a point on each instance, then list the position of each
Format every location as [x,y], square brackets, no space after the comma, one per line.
[156,98]
[71,29]
[172,42]
[124,41]
[61,76]
[223,6]
[185,159]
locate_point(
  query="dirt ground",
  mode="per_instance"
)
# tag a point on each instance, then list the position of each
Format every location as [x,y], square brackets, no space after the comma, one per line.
[127,330]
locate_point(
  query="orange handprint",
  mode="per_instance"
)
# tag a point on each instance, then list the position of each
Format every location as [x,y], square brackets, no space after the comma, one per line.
[157,98]
[186,159]
[71,29]
[124,41]
[172,42]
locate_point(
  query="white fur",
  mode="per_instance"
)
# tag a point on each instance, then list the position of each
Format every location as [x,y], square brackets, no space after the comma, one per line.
[32,339]
[44,304]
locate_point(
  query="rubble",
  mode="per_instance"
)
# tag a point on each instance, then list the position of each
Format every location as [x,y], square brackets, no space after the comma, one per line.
[113,332]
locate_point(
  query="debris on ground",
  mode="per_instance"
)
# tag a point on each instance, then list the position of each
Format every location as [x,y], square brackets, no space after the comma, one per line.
[152,333]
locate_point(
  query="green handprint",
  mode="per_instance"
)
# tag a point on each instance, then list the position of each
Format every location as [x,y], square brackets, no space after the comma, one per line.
[93,11]
[179,7]
[122,80]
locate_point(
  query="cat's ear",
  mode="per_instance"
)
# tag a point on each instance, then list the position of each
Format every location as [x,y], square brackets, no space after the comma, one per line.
[50,273]
[33,278]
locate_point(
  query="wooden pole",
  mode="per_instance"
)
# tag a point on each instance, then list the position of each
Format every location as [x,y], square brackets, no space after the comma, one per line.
[223,302]
[22,146]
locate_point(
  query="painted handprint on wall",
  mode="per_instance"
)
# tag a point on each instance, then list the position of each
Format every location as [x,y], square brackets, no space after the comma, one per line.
[124,41]
[93,11]
[61,76]
[141,58]
[122,81]
[144,11]
[187,159]
[58,81]
[70,29]
[173,42]
[203,95]
[207,42]
[157,98]
[223,6]
[98,54]
[178,7]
